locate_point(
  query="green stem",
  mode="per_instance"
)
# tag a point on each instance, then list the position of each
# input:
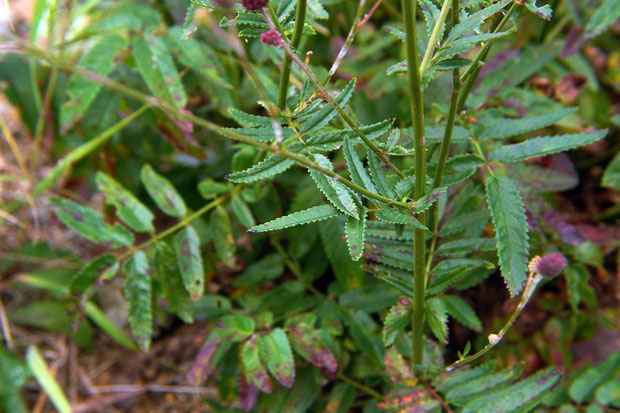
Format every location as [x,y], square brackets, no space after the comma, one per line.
[432,42]
[360,386]
[417,114]
[40,128]
[472,72]
[300,19]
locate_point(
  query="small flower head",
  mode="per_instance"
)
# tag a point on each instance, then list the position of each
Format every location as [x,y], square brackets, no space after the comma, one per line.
[550,265]
[253,5]
[271,38]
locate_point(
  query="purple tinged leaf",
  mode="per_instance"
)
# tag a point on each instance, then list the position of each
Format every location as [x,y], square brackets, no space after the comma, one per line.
[248,394]
[397,368]
[253,367]
[308,343]
[202,367]
[276,351]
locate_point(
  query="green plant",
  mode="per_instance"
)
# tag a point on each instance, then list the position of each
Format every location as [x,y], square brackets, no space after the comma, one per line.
[430,201]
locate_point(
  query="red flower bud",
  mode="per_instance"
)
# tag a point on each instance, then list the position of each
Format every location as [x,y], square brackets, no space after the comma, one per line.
[271,38]
[253,5]
[551,264]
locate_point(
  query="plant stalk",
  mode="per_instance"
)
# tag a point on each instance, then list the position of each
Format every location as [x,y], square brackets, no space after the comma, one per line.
[417,114]
[285,75]
[432,42]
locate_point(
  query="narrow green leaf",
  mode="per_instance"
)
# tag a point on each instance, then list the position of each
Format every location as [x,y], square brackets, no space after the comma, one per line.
[210,189]
[172,284]
[463,375]
[253,367]
[248,120]
[378,176]
[355,230]
[157,68]
[271,166]
[428,200]
[458,168]
[88,274]
[437,316]
[266,269]
[505,128]
[189,261]
[462,311]
[82,91]
[583,387]
[46,379]
[336,193]
[474,20]
[484,383]
[219,224]
[544,146]
[308,344]
[276,352]
[102,321]
[307,216]
[327,112]
[465,44]
[137,291]
[347,272]
[162,192]
[128,208]
[577,287]
[90,224]
[356,168]
[398,216]
[466,245]
[242,211]
[510,225]
[397,320]
[604,16]
[611,176]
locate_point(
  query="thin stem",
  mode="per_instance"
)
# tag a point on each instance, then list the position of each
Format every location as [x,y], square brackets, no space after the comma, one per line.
[532,282]
[472,72]
[40,128]
[417,114]
[432,42]
[360,386]
[447,136]
[300,19]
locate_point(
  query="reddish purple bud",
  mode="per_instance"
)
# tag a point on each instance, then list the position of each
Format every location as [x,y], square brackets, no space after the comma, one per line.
[271,38]
[551,264]
[253,5]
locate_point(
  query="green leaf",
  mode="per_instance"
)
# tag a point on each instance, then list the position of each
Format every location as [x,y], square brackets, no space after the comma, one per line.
[90,224]
[235,327]
[307,216]
[397,320]
[88,274]
[347,272]
[577,287]
[46,379]
[465,44]
[253,367]
[458,168]
[157,68]
[189,261]
[460,310]
[327,112]
[336,193]
[171,283]
[378,176]
[137,291]
[102,321]
[242,211]
[466,245]
[606,14]
[266,269]
[359,176]
[308,343]
[544,146]
[355,230]
[544,12]
[340,399]
[271,166]
[82,91]
[398,216]
[608,394]
[397,367]
[456,378]
[582,388]
[611,176]
[210,189]
[128,208]
[13,375]
[521,396]
[437,316]
[484,383]
[510,225]
[428,200]
[276,351]
[219,224]
[474,20]
[505,128]
[162,192]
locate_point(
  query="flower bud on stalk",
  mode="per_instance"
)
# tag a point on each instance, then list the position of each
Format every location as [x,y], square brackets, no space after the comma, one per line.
[271,38]
[550,265]
[253,5]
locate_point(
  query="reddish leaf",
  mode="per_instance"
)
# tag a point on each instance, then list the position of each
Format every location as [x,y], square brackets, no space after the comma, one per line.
[308,343]
[248,394]
[202,367]
[397,368]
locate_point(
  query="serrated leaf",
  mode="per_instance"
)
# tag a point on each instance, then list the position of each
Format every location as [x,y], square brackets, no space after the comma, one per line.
[157,68]
[484,383]
[189,260]
[271,166]
[461,311]
[171,283]
[431,13]
[355,230]
[204,364]
[81,91]
[604,16]
[359,176]
[378,176]
[455,378]
[505,128]
[335,192]
[162,192]
[396,320]
[128,208]
[437,316]
[90,224]
[544,146]
[88,274]
[544,12]
[276,351]
[582,388]
[308,343]
[219,224]
[137,292]
[399,279]
[463,222]
[474,20]
[242,211]
[327,112]
[398,216]
[510,225]
[253,367]
[248,120]
[428,200]
[466,245]
[307,216]
[465,44]
[457,169]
